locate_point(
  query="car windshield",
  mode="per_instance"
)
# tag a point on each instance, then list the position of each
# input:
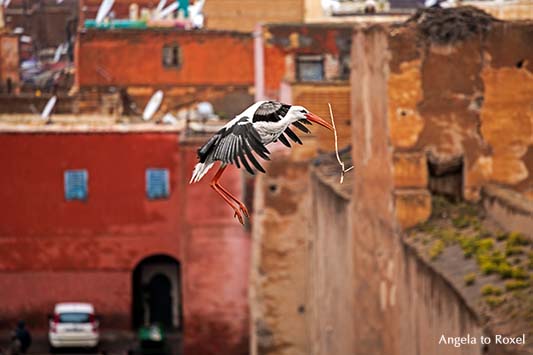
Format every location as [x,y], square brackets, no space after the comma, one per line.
[74,318]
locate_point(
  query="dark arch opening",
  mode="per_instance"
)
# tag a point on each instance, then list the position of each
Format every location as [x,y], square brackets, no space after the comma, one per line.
[156,293]
[446,177]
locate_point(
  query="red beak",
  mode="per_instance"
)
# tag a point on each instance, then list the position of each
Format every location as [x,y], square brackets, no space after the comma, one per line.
[318,120]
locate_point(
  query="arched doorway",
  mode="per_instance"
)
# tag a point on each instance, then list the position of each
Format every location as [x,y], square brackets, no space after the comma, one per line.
[156,291]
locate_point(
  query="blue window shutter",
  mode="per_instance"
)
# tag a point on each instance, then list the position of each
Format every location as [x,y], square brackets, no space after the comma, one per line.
[157,183]
[76,185]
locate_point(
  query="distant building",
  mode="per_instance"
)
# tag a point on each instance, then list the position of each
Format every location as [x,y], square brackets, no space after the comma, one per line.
[245,15]
[189,66]
[49,23]
[106,215]
[308,65]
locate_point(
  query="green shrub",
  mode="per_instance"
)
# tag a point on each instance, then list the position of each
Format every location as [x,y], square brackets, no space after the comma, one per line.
[436,249]
[470,278]
[491,290]
[488,267]
[513,250]
[485,244]
[494,301]
[462,221]
[505,270]
[516,285]
[516,238]
[519,273]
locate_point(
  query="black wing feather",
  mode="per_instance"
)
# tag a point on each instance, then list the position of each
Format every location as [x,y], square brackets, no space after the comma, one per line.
[292,135]
[301,127]
[270,111]
[284,140]
[245,163]
[233,145]
[251,157]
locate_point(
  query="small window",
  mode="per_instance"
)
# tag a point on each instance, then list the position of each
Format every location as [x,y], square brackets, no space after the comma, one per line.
[171,56]
[157,185]
[310,68]
[76,184]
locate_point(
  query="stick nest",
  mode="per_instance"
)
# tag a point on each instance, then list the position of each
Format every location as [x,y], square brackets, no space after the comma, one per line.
[447,26]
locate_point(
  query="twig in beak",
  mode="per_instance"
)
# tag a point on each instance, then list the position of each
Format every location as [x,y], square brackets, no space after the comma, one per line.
[343,170]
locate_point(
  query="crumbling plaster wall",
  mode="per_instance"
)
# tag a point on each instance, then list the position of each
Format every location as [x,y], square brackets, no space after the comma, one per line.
[279,255]
[402,306]
[471,100]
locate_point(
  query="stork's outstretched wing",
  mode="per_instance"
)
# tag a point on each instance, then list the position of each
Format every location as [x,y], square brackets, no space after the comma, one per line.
[235,144]
[270,111]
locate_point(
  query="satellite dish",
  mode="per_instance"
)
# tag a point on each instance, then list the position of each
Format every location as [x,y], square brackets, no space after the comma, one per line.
[430,3]
[49,107]
[104,9]
[169,118]
[160,6]
[205,110]
[58,52]
[6,3]
[168,10]
[153,105]
[196,8]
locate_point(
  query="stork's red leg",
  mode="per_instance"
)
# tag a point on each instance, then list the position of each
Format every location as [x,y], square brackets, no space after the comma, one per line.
[239,203]
[221,191]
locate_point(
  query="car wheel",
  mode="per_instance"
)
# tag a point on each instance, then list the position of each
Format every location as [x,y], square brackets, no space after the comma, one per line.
[51,349]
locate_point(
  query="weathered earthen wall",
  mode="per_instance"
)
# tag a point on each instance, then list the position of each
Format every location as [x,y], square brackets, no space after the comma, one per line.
[461,101]
[402,306]
[331,302]
[279,255]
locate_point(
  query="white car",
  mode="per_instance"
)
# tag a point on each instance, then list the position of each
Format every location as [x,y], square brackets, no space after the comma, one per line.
[73,325]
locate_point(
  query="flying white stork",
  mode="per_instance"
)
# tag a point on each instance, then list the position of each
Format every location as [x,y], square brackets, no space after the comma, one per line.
[250,132]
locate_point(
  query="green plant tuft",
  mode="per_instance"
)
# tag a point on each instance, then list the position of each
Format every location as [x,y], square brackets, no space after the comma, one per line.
[488,267]
[516,239]
[494,301]
[505,270]
[436,249]
[513,250]
[516,285]
[491,290]
[519,273]
[470,278]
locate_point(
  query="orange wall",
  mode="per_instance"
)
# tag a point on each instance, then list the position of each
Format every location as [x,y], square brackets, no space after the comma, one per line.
[129,57]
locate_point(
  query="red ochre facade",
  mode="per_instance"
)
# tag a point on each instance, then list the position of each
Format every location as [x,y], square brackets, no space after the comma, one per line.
[135,58]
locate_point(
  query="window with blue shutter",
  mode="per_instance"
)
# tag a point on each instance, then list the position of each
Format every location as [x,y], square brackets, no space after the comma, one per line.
[157,183]
[76,185]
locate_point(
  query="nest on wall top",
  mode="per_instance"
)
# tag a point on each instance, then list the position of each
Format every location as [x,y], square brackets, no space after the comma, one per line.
[447,26]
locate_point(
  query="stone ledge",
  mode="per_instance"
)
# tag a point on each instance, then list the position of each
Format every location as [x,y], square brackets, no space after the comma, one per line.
[510,209]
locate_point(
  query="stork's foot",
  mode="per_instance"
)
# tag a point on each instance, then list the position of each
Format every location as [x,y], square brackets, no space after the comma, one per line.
[238,215]
[244,210]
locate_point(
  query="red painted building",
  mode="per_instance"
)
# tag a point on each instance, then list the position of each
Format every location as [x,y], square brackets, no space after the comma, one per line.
[120,246]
